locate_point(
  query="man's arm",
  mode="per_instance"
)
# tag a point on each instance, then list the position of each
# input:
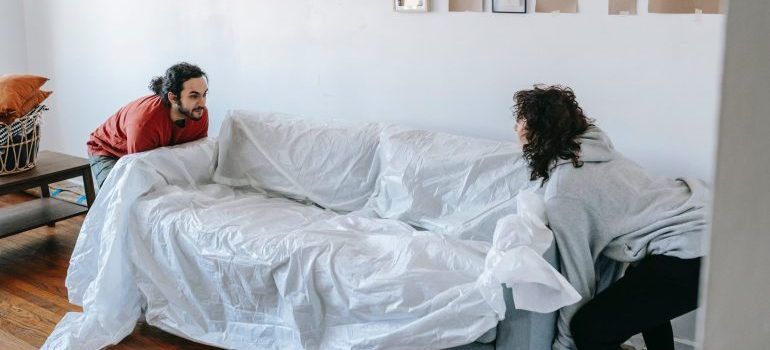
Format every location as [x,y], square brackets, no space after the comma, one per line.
[573,224]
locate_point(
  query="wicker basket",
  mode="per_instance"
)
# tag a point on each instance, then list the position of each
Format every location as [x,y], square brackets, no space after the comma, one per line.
[19,142]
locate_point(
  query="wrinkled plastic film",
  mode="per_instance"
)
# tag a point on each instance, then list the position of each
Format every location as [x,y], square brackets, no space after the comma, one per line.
[454,185]
[238,268]
[99,275]
[293,157]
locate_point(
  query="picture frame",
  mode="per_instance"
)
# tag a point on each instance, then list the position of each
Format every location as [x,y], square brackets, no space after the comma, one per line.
[411,5]
[509,6]
[466,5]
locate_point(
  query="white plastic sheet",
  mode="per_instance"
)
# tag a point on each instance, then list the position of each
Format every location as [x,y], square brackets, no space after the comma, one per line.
[329,162]
[455,185]
[515,259]
[99,276]
[238,269]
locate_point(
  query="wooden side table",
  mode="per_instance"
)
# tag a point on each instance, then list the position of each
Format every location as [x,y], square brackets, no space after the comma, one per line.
[49,167]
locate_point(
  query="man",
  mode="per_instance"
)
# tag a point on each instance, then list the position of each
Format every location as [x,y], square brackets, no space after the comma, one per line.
[176,113]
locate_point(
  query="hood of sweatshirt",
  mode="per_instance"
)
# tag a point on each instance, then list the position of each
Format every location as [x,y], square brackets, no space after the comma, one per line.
[595,146]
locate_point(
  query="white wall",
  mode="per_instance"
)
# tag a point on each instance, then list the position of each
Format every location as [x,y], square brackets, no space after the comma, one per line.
[738,311]
[13,58]
[651,81]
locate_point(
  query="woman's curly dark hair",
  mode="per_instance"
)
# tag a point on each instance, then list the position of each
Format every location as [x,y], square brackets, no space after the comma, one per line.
[553,123]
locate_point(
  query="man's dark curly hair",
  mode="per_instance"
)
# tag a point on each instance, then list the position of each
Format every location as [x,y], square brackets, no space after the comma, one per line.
[553,123]
[174,79]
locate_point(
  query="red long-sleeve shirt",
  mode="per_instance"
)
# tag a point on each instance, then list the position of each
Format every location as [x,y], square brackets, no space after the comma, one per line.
[142,125]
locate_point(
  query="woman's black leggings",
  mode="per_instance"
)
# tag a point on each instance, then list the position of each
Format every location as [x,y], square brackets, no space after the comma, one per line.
[644,300]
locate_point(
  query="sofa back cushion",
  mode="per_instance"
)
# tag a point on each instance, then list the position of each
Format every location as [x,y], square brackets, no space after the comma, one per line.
[329,162]
[450,184]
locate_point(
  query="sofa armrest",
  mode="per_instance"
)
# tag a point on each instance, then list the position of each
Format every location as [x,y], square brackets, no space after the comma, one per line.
[134,175]
[526,330]
[187,164]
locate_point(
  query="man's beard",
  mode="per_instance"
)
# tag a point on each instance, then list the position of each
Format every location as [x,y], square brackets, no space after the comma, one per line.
[189,112]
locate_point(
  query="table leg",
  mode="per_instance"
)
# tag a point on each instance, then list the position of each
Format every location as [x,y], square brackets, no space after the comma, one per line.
[88,184]
[46,193]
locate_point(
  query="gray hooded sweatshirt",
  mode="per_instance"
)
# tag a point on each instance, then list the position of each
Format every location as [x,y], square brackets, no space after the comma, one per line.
[609,212]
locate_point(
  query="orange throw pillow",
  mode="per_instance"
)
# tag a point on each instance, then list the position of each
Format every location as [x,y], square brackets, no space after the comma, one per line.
[15,90]
[32,102]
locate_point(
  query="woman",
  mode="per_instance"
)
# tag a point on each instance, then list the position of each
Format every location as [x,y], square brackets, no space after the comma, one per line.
[604,211]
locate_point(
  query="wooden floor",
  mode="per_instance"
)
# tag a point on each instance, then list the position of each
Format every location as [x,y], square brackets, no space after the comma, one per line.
[33,266]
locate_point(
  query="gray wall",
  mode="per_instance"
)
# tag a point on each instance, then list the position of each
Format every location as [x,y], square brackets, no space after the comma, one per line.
[14,54]
[651,81]
[738,283]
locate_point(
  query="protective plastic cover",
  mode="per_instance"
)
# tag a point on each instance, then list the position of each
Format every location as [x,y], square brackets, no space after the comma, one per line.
[238,269]
[455,185]
[329,162]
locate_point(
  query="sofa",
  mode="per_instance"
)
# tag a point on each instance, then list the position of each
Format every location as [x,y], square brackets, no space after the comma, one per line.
[288,232]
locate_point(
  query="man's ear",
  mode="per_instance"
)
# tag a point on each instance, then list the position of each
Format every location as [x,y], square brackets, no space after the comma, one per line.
[172,98]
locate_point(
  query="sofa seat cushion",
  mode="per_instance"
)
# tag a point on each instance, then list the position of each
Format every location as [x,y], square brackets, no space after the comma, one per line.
[228,267]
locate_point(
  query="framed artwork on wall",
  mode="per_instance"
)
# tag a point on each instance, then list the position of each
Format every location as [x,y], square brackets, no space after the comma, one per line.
[411,5]
[466,5]
[509,6]
[558,6]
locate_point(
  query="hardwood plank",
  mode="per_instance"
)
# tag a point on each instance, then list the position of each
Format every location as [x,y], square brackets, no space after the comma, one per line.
[29,335]
[9,341]
[43,242]
[36,317]
[48,268]
[47,300]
